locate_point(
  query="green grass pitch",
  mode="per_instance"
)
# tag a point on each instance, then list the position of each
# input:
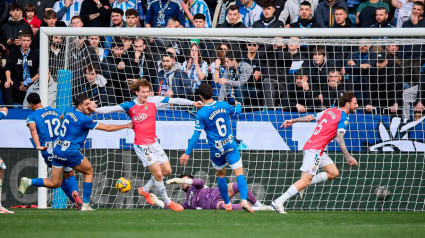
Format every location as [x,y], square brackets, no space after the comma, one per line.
[161,223]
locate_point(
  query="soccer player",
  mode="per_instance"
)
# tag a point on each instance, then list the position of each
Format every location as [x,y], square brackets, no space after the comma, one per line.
[213,118]
[44,124]
[332,122]
[73,131]
[142,112]
[199,196]
[3,114]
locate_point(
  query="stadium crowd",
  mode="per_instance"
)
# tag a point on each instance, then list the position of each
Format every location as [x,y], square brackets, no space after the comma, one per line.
[387,79]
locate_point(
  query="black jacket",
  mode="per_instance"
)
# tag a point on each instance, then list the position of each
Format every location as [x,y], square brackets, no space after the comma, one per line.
[226,24]
[12,29]
[15,64]
[89,7]
[268,23]
[302,23]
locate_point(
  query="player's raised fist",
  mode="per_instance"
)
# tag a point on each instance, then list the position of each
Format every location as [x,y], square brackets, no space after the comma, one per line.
[198,104]
[183,159]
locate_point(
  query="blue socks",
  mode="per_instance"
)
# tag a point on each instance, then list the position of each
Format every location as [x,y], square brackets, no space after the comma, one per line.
[87,187]
[222,186]
[37,182]
[243,188]
[68,186]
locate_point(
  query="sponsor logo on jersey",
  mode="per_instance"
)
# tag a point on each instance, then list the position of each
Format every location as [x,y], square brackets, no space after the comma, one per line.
[140,117]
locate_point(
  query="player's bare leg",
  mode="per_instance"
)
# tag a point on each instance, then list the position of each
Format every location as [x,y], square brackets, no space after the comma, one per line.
[232,190]
[222,187]
[243,189]
[166,168]
[86,168]
[54,181]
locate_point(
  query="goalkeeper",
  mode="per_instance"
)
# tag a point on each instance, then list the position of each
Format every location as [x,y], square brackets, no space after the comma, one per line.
[198,196]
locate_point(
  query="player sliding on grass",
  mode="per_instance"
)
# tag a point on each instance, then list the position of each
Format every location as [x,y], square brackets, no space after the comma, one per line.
[44,124]
[197,196]
[214,118]
[332,122]
[74,129]
[143,114]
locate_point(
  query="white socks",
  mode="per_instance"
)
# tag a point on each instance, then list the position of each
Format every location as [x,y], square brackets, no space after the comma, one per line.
[320,177]
[287,195]
[149,185]
[161,188]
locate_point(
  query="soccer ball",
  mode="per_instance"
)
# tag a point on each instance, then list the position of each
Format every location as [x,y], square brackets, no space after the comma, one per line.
[382,193]
[123,185]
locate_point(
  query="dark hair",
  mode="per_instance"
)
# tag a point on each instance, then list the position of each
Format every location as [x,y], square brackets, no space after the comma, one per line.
[346,97]
[15,6]
[340,8]
[186,175]
[118,10]
[76,17]
[91,68]
[33,98]
[382,8]
[233,55]
[117,43]
[205,90]
[267,3]
[30,8]
[174,19]
[199,16]
[138,38]
[319,50]
[49,14]
[333,70]
[167,55]
[305,3]
[78,100]
[25,34]
[233,7]
[419,3]
[131,12]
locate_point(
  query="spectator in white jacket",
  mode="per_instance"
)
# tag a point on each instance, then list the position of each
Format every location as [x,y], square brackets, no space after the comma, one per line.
[292,8]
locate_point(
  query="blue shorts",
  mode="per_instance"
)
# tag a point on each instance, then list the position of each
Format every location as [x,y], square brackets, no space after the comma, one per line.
[228,154]
[68,158]
[47,158]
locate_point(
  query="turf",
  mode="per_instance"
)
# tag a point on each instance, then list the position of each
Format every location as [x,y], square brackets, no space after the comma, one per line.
[160,223]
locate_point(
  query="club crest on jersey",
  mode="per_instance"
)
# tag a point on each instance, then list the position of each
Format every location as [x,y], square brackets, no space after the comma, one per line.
[140,117]
[146,107]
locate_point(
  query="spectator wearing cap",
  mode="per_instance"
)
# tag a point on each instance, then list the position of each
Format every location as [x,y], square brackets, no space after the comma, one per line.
[301,93]
[233,18]
[96,13]
[14,27]
[325,12]
[268,19]
[278,5]
[193,7]
[381,18]
[66,9]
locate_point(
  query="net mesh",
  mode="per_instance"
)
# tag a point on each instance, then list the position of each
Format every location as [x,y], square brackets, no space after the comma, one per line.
[275,79]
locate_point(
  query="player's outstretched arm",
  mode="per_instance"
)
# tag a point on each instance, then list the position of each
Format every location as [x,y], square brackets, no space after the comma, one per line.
[35,138]
[185,102]
[185,157]
[110,128]
[179,181]
[109,109]
[340,139]
[289,123]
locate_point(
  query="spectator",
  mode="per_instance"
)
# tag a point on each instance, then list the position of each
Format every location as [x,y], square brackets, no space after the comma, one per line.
[224,9]
[414,96]
[31,18]
[21,70]
[268,19]
[218,68]
[402,12]
[56,56]
[141,12]
[392,53]
[66,9]
[51,20]
[14,27]
[319,66]
[193,7]
[233,18]
[124,5]
[250,12]
[381,19]
[41,6]
[97,87]
[234,78]
[333,89]
[195,67]
[341,18]
[159,11]
[306,18]
[254,85]
[94,41]
[416,18]
[278,5]
[96,13]
[365,16]
[199,20]
[117,18]
[292,10]
[325,12]
[52,90]
[131,16]
[301,94]
[173,22]
[77,21]
[171,80]
[142,60]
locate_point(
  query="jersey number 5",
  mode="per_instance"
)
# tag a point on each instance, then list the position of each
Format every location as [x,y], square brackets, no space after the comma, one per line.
[319,127]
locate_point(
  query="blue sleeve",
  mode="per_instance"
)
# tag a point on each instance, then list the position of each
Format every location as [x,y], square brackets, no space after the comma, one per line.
[234,110]
[29,119]
[126,106]
[343,122]
[180,15]
[89,123]
[3,116]
[199,123]
[193,141]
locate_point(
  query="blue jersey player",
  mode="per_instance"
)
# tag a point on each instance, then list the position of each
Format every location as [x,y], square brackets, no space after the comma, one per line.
[214,119]
[73,131]
[44,124]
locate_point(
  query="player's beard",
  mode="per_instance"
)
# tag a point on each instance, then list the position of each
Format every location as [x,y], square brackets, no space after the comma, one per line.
[186,189]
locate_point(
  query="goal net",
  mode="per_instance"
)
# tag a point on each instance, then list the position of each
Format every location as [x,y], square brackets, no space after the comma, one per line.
[276,77]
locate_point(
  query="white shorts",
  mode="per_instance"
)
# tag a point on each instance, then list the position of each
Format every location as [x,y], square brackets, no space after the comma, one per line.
[312,161]
[151,153]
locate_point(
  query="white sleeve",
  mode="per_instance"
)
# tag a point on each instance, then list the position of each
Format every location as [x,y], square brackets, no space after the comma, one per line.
[318,115]
[162,101]
[180,101]
[110,109]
